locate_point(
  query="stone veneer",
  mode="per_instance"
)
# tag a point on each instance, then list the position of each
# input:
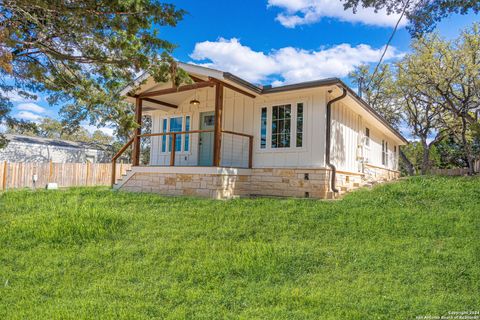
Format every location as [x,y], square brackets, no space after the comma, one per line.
[229,183]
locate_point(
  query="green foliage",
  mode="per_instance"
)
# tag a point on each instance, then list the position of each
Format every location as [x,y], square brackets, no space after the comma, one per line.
[422,15]
[400,251]
[378,90]
[415,153]
[81,53]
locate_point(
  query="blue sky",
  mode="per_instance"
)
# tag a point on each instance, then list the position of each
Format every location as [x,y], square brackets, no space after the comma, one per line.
[277,41]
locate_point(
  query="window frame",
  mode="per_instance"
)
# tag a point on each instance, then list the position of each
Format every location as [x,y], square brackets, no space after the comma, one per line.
[164,148]
[293,126]
[368,138]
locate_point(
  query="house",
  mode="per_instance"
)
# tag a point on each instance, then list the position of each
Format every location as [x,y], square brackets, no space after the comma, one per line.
[223,137]
[35,149]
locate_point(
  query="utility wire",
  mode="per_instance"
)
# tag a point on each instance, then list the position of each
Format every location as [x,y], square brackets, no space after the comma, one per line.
[388,44]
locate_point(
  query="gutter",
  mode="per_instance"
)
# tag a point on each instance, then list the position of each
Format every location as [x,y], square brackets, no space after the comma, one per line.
[328,135]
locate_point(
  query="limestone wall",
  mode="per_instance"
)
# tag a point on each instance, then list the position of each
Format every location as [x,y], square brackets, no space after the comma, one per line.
[300,183]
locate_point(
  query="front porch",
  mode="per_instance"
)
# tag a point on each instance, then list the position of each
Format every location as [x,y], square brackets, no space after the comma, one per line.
[189,129]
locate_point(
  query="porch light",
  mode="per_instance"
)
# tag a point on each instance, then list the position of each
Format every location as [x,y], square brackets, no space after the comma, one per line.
[194,102]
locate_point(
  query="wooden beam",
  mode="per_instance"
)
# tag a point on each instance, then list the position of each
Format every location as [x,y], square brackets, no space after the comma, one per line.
[229,86]
[196,79]
[137,132]
[162,103]
[187,87]
[217,134]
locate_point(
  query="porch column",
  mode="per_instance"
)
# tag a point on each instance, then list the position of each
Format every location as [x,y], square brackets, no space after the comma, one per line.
[137,132]
[217,138]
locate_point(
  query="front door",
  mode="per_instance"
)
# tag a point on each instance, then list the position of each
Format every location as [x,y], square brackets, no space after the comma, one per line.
[205,145]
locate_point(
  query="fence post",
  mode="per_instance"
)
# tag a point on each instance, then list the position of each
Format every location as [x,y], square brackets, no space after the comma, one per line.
[250,152]
[88,173]
[114,172]
[50,172]
[5,172]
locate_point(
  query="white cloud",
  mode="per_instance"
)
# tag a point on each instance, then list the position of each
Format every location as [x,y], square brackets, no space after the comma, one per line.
[31,107]
[27,115]
[300,12]
[286,65]
[91,128]
[14,96]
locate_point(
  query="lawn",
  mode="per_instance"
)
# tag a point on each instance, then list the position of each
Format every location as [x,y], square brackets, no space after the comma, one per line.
[399,251]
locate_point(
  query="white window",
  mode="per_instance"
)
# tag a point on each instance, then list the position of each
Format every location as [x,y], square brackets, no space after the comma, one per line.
[282,126]
[384,153]
[176,124]
[299,142]
[367,137]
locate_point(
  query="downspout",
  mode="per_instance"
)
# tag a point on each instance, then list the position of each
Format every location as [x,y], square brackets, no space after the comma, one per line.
[328,135]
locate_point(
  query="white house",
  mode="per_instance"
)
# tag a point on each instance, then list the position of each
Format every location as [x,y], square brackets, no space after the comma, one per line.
[223,136]
[22,148]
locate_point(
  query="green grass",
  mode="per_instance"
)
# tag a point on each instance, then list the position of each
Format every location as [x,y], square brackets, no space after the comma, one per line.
[399,251]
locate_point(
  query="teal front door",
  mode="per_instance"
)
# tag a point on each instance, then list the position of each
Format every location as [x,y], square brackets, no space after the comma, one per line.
[205,144]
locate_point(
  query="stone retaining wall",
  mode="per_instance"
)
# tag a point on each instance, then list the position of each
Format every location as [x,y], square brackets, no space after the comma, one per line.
[300,183]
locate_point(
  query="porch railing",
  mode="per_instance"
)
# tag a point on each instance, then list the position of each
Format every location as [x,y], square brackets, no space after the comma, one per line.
[234,149]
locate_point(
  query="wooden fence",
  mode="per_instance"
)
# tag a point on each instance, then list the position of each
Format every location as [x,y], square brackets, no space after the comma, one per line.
[449,172]
[20,175]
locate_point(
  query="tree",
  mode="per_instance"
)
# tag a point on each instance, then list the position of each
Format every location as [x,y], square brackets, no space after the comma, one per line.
[378,91]
[415,151]
[422,106]
[452,69]
[82,52]
[422,15]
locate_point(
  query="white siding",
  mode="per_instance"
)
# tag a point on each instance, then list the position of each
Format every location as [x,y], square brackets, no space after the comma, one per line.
[348,141]
[312,152]
[237,116]
[242,114]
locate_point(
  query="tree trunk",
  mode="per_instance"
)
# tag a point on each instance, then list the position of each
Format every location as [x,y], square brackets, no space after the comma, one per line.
[467,149]
[425,158]
[408,164]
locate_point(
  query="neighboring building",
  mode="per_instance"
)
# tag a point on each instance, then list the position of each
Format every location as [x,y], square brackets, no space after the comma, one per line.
[232,138]
[34,149]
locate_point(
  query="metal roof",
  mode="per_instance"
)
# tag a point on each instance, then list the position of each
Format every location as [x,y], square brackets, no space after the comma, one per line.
[55,142]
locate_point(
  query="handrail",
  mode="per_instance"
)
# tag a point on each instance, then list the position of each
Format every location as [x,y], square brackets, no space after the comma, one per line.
[250,145]
[116,156]
[147,135]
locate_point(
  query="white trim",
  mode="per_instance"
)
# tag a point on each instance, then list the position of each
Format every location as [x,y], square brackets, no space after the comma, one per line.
[167,140]
[293,125]
[191,170]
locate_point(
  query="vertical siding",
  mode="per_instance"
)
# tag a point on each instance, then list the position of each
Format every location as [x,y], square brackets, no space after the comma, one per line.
[345,137]
[348,141]
[312,152]
[237,116]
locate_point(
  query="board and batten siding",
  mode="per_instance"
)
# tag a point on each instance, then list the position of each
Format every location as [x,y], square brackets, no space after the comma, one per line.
[311,154]
[348,141]
[243,114]
[237,116]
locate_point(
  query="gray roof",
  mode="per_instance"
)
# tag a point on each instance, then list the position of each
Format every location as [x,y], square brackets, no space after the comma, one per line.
[303,85]
[55,142]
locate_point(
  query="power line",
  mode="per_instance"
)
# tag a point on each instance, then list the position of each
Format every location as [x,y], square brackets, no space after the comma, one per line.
[388,44]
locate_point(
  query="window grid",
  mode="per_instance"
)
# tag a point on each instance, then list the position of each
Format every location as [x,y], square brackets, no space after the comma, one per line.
[299,140]
[263,129]
[281,126]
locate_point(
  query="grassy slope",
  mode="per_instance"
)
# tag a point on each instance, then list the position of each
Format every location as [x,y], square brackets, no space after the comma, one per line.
[399,251]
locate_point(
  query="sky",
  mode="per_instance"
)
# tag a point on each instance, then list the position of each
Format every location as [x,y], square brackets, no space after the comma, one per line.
[276,42]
